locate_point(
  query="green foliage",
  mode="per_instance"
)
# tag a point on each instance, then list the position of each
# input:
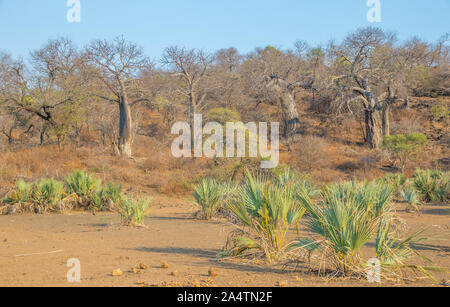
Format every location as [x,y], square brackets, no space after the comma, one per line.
[223,116]
[82,184]
[47,193]
[301,184]
[433,185]
[21,194]
[108,198]
[133,211]
[411,198]
[396,181]
[266,211]
[210,195]
[393,253]
[346,220]
[404,147]
[44,195]
[440,112]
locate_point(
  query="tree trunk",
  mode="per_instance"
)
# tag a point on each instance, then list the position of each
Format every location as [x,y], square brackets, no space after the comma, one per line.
[374,128]
[42,135]
[125,126]
[405,103]
[386,120]
[282,93]
[290,114]
[192,109]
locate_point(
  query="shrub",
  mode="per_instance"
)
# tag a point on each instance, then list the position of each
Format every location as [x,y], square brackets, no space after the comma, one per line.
[433,186]
[302,184]
[345,220]
[311,152]
[84,186]
[396,181]
[404,147]
[223,116]
[133,211]
[21,194]
[209,195]
[266,211]
[42,196]
[440,112]
[108,198]
[393,252]
[46,194]
[411,198]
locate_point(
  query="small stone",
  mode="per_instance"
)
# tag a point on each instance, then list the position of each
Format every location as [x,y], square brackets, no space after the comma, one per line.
[165,265]
[174,273]
[143,266]
[135,271]
[212,272]
[117,272]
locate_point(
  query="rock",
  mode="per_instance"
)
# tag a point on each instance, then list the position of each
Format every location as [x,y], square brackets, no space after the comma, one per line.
[174,273]
[143,266]
[117,272]
[135,271]
[212,272]
[165,265]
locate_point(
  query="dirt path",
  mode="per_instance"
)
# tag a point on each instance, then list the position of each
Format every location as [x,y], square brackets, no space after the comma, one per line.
[34,250]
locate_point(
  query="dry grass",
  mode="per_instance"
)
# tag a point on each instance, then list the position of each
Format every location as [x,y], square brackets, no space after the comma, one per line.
[330,149]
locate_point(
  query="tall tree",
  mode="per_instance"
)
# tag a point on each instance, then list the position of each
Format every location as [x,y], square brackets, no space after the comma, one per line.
[191,67]
[117,65]
[51,89]
[276,76]
[365,71]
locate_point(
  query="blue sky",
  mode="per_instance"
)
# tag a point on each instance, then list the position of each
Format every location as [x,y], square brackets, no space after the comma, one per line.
[212,24]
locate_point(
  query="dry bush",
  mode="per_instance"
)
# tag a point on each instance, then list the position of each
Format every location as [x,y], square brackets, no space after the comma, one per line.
[371,160]
[407,125]
[310,151]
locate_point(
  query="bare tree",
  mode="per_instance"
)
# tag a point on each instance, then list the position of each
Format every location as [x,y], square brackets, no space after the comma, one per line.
[117,66]
[227,90]
[52,89]
[365,72]
[276,76]
[413,59]
[191,67]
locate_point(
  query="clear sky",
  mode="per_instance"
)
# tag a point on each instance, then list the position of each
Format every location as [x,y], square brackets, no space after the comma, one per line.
[212,24]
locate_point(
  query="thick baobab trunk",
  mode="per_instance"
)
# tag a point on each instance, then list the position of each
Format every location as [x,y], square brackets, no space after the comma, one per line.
[374,128]
[125,123]
[125,128]
[290,114]
[280,91]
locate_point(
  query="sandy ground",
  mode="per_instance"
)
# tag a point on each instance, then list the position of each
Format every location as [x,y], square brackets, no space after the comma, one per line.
[188,246]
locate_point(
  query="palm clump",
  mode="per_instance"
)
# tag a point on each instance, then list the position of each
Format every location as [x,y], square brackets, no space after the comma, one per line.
[266,209]
[345,220]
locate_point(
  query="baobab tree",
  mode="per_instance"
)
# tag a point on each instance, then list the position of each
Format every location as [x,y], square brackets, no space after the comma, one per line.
[276,76]
[365,71]
[117,65]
